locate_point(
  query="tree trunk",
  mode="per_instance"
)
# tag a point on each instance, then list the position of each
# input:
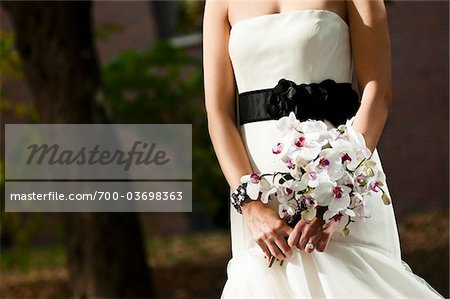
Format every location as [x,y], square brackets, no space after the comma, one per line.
[54,39]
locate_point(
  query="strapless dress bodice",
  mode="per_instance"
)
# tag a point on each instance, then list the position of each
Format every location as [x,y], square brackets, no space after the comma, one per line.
[304,46]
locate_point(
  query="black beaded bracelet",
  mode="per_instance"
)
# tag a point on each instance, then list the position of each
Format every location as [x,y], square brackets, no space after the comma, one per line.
[238,196]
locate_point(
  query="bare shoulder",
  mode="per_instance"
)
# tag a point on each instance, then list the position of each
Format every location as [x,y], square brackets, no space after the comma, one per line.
[216,9]
[215,20]
[370,42]
[366,12]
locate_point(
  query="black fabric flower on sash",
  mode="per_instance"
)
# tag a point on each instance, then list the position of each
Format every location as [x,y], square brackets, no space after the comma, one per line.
[335,102]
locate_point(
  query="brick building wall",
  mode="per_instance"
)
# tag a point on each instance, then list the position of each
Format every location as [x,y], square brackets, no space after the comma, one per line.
[414,146]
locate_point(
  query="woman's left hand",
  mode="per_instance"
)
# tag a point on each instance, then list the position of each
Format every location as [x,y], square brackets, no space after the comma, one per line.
[314,234]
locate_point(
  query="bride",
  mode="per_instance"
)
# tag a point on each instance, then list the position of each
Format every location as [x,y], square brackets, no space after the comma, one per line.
[255,48]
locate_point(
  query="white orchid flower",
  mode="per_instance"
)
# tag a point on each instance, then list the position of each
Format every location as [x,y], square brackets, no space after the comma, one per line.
[286,208]
[305,148]
[288,123]
[278,148]
[350,158]
[269,194]
[287,204]
[253,181]
[329,214]
[313,126]
[330,161]
[295,170]
[285,146]
[333,134]
[346,180]
[362,207]
[311,178]
[310,204]
[376,181]
[357,139]
[336,197]
[272,190]
[368,177]
[300,142]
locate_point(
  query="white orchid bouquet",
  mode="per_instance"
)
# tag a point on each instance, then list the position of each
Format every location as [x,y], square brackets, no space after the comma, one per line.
[329,168]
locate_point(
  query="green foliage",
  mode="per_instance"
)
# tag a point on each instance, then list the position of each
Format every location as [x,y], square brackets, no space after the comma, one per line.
[107,30]
[10,64]
[20,110]
[16,230]
[164,85]
[24,260]
[190,16]
[11,69]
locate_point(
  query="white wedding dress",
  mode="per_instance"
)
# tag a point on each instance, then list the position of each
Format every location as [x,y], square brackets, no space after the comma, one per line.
[307,46]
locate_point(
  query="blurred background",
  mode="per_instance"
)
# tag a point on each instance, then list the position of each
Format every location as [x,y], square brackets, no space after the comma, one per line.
[140,62]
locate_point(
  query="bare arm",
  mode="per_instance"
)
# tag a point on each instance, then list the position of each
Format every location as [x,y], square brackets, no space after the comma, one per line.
[268,230]
[220,94]
[371,50]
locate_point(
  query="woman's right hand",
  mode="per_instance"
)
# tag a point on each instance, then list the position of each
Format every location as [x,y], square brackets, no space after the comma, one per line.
[268,230]
[315,232]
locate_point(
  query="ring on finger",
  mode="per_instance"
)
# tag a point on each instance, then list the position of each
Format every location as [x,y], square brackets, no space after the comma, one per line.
[310,246]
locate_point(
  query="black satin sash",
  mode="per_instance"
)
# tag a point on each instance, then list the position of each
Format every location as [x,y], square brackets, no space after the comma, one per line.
[335,102]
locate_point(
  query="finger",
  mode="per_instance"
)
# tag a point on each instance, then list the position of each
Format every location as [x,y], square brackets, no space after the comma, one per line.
[330,226]
[327,233]
[274,250]
[323,243]
[308,231]
[294,236]
[314,240]
[287,229]
[283,245]
[264,248]
[271,260]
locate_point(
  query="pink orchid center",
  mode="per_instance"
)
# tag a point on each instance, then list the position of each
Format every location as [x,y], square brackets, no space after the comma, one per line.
[361,179]
[313,175]
[309,201]
[290,164]
[374,186]
[338,192]
[337,217]
[323,162]
[346,158]
[277,148]
[300,142]
[255,178]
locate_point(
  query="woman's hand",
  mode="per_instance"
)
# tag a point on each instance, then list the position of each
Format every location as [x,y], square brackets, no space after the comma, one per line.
[268,230]
[315,232]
